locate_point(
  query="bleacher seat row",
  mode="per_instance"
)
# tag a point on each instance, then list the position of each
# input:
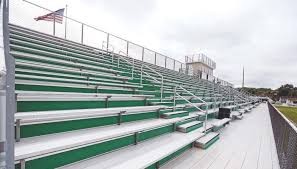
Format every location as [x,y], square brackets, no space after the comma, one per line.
[81,106]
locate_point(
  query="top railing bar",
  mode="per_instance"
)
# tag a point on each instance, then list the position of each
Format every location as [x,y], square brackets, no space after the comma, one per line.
[190,102]
[110,34]
[284,117]
[193,94]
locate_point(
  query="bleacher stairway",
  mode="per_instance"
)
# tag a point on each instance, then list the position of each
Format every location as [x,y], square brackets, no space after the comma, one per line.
[83,107]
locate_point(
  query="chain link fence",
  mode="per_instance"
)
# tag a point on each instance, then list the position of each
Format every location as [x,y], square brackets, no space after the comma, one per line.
[285,135]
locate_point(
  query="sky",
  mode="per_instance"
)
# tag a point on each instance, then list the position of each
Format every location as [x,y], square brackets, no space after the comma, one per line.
[257,35]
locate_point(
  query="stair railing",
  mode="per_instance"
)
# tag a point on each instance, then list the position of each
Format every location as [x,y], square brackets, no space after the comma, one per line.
[159,74]
[199,109]
[119,56]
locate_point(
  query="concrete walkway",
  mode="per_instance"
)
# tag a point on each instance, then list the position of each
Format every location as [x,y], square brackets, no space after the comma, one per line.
[244,144]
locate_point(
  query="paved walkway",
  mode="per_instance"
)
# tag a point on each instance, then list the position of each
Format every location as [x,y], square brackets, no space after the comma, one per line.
[244,144]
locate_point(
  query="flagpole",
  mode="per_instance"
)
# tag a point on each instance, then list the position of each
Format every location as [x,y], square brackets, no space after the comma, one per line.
[66,21]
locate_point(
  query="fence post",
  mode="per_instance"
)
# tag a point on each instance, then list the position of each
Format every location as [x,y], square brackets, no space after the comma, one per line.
[82,33]
[54,24]
[127,52]
[107,42]
[142,57]
[155,58]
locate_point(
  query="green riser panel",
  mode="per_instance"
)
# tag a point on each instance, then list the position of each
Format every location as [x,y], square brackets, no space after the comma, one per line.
[211,142]
[57,57]
[26,106]
[64,158]
[65,77]
[57,71]
[186,121]
[48,45]
[170,157]
[192,128]
[179,115]
[68,89]
[58,127]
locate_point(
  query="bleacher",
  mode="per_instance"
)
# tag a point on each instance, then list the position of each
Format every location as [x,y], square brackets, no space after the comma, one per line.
[82,106]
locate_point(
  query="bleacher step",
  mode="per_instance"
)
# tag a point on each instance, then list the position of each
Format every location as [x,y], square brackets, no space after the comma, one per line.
[142,155]
[174,114]
[62,143]
[188,127]
[207,140]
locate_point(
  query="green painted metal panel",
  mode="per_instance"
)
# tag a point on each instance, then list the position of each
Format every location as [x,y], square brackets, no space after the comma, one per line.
[57,127]
[64,158]
[192,128]
[153,133]
[64,126]
[179,115]
[211,142]
[139,116]
[69,89]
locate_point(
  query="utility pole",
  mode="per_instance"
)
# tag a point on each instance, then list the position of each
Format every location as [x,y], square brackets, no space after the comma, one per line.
[243,78]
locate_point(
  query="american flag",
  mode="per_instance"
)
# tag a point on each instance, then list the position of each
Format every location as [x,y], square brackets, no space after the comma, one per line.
[58,15]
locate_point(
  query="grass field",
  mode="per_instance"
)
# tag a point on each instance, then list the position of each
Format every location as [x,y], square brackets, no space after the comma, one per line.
[289,112]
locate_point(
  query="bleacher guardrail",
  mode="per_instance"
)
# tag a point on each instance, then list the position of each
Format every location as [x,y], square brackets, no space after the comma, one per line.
[199,109]
[285,136]
[89,35]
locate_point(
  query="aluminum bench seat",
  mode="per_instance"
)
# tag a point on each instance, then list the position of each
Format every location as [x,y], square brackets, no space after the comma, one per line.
[35,117]
[91,55]
[230,107]
[236,115]
[208,127]
[209,111]
[174,114]
[57,68]
[25,37]
[207,140]
[41,49]
[75,81]
[142,155]
[93,88]
[29,72]
[64,96]
[42,145]
[220,123]
[72,64]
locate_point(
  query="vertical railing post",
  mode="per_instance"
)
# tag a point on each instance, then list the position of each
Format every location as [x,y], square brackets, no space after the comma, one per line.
[132,68]
[107,42]
[162,88]
[127,50]
[142,55]
[174,64]
[174,98]
[206,114]
[155,58]
[165,61]
[54,24]
[141,74]
[82,33]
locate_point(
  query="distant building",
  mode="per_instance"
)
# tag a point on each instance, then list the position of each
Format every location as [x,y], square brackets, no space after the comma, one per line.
[201,66]
[291,101]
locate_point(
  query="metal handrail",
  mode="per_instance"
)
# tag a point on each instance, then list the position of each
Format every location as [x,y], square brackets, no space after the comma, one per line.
[204,103]
[142,65]
[193,94]
[162,78]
